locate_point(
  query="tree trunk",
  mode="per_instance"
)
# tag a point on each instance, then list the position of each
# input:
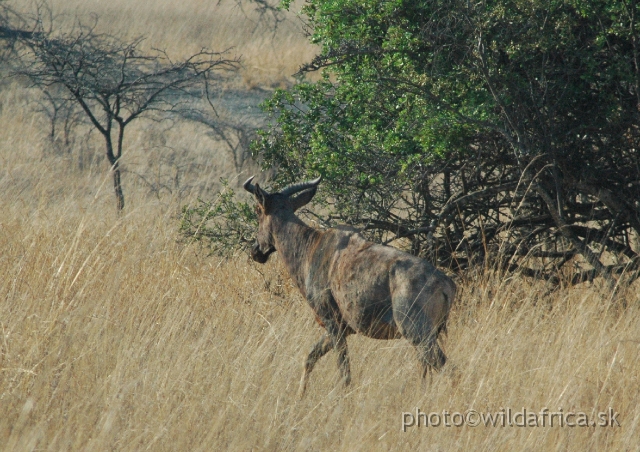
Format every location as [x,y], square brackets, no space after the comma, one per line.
[114,161]
[117,185]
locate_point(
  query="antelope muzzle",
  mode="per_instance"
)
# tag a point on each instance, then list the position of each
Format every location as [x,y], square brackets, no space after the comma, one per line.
[259,256]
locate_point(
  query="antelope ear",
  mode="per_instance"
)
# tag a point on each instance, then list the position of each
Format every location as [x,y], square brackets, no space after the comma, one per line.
[303,198]
[262,197]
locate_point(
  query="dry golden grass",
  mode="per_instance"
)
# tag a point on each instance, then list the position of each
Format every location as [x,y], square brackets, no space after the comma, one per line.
[114,336]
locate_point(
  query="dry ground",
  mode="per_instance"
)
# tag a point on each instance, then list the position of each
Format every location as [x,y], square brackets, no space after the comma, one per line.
[115,336]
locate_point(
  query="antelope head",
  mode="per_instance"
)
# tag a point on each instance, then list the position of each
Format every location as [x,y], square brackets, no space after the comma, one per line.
[274,208]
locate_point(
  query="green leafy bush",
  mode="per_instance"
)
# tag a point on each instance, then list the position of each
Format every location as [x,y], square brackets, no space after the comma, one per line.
[224,225]
[500,132]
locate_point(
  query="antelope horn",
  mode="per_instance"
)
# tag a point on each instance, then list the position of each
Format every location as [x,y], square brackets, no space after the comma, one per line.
[258,192]
[295,188]
[249,186]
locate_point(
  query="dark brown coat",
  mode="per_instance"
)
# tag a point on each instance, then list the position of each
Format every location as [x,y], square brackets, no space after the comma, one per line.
[351,284]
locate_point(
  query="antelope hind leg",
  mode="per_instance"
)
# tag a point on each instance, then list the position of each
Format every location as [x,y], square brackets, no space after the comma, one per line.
[431,356]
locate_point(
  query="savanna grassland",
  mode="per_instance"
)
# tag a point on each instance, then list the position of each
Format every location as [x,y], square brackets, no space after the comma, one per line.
[117,335]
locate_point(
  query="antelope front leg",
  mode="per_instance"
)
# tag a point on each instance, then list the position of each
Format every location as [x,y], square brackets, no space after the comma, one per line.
[343,358]
[318,351]
[338,333]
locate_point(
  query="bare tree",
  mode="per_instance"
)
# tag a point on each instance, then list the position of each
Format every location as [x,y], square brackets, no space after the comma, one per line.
[235,134]
[13,27]
[64,116]
[113,82]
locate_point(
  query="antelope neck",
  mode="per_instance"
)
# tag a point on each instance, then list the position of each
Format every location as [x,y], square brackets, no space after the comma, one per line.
[294,241]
